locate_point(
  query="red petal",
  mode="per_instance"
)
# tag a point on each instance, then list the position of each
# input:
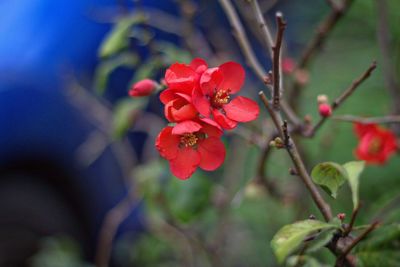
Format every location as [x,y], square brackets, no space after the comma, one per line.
[167,96]
[180,77]
[210,127]
[186,127]
[210,80]
[201,103]
[212,153]
[360,129]
[222,120]
[242,109]
[199,65]
[186,112]
[167,144]
[234,75]
[185,164]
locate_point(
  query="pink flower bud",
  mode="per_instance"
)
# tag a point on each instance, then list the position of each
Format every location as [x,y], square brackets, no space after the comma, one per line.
[288,65]
[325,110]
[143,88]
[341,216]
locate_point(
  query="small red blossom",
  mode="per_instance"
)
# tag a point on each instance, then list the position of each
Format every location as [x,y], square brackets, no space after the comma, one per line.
[325,110]
[376,144]
[143,88]
[288,65]
[189,145]
[214,97]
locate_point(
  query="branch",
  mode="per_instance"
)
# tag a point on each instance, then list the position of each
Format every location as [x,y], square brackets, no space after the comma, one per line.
[265,32]
[339,101]
[380,120]
[276,61]
[324,29]
[352,220]
[297,160]
[357,240]
[251,59]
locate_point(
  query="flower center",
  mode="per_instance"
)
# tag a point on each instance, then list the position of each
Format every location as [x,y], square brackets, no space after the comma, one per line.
[189,139]
[221,97]
[375,146]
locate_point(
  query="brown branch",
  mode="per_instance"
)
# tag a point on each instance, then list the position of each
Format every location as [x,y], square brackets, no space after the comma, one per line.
[324,29]
[297,161]
[339,101]
[265,32]
[358,239]
[365,120]
[248,53]
[276,61]
[354,214]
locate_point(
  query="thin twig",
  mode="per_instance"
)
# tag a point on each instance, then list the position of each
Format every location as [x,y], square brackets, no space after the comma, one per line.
[365,120]
[248,53]
[338,101]
[265,32]
[297,161]
[276,61]
[357,240]
[324,29]
[354,214]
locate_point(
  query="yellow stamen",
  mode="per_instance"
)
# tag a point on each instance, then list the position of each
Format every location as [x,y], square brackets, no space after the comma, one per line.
[189,139]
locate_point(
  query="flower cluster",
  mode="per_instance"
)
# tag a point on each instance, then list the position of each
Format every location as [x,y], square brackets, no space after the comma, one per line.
[376,144]
[199,106]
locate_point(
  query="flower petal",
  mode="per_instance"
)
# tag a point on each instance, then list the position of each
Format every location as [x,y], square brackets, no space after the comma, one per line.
[242,109]
[167,96]
[199,65]
[360,128]
[222,120]
[186,127]
[185,164]
[210,80]
[212,153]
[181,77]
[210,127]
[234,75]
[201,103]
[167,144]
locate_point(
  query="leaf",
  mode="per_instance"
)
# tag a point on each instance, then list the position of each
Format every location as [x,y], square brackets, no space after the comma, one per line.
[330,176]
[125,113]
[304,261]
[288,238]
[354,169]
[105,68]
[321,240]
[118,38]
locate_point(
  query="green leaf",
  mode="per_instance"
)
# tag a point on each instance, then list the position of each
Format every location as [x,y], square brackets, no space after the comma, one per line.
[304,261]
[330,176]
[288,238]
[354,169]
[321,240]
[118,38]
[125,113]
[106,67]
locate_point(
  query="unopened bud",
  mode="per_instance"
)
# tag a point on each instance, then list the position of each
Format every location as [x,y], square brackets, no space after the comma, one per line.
[143,88]
[292,171]
[341,216]
[307,119]
[322,99]
[312,217]
[302,76]
[254,190]
[268,78]
[288,65]
[325,110]
[277,142]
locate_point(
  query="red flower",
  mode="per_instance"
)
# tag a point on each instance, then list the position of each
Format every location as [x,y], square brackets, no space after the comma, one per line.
[184,78]
[191,144]
[178,106]
[288,65]
[143,88]
[376,144]
[214,96]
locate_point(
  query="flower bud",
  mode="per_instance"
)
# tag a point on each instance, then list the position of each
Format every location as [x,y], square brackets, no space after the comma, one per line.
[277,142]
[143,88]
[288,65]
[341,216]
[302,76]
[325,110]
[322,99]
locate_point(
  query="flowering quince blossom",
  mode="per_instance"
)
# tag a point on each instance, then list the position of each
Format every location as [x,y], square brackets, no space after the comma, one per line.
[198,103]
[376,144]
[214,97]
[189,145]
